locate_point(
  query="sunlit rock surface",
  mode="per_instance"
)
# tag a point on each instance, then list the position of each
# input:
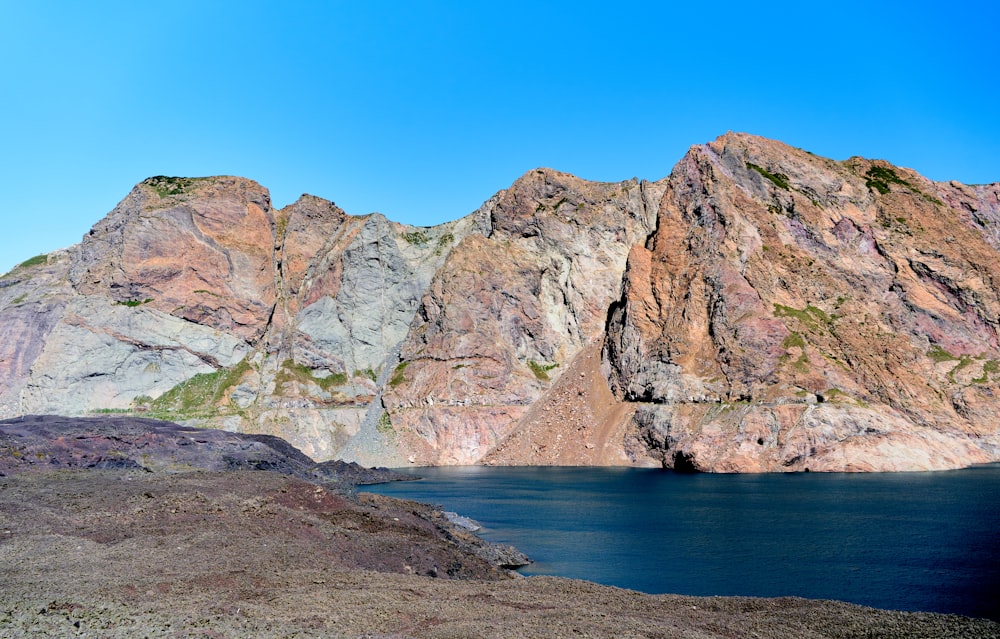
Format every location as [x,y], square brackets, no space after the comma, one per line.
[760,309]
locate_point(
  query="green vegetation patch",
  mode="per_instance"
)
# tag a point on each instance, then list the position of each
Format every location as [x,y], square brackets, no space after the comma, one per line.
[446,239]
[939,355]
[443,242]
[801,365]
[989,368]
[281,226]
[780,180]
[962,363]
[134,303]
[811,317]
[418,238]
[384,424]
[834,394]
[38,260]
[142,400]
[541,371]
[368,372]
[201,393]
[166,186]
[880,177]
[820,314]
[793,340]
[837,396]
[398,376]
[302,374]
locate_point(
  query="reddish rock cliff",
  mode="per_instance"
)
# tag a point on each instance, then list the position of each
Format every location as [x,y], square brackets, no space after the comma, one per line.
[199,249]
[793,312]
[762,309]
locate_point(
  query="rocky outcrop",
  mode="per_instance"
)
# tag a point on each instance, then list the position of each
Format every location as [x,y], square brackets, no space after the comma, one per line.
[42,443]
[508,312]
[792,313]
[194,301]
[32,299]
[761,309]
[102,355]
[199,249]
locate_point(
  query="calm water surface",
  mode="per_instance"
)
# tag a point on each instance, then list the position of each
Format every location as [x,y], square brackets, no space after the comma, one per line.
[907,541]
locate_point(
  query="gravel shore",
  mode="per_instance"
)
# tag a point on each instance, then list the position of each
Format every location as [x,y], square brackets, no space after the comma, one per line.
[113,553]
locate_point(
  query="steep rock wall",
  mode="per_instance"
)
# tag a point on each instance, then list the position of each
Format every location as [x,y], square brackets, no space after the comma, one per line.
[199,249]
[507,313]
[793,312]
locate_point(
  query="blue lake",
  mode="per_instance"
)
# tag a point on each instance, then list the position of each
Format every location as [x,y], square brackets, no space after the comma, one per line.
[905,541]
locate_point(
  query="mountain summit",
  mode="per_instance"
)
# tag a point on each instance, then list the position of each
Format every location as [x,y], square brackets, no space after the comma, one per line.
[761,309]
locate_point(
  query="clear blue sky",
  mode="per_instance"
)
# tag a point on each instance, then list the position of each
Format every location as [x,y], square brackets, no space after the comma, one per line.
[422,110]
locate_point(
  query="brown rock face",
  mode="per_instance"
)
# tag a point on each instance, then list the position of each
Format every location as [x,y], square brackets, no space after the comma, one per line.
[308,228]
[506,313]
[201,249]
[792,312]
[576,422]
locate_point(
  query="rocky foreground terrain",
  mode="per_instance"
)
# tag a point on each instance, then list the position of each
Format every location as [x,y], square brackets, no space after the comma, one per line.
[143,529]
[759,309]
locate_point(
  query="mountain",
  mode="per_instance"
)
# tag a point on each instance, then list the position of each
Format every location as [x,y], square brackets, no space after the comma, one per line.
[795,313]
[760,309]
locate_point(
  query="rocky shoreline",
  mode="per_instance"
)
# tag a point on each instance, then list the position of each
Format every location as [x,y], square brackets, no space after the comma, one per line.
[94,549]
[124,553]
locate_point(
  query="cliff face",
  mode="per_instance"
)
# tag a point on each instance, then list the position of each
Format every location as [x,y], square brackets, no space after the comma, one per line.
[507,313]
[792,312]
[195,301]
[199,249]
[761,309]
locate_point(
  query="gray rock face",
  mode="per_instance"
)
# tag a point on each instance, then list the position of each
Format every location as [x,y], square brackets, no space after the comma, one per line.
[32,299]
[102,355]
[384,271]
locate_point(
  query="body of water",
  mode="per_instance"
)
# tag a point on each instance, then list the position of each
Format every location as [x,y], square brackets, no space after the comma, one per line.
[906,541]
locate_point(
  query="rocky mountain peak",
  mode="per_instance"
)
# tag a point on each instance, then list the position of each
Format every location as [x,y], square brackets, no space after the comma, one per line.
[197,248]
[760,309]
[778,280]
